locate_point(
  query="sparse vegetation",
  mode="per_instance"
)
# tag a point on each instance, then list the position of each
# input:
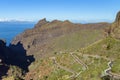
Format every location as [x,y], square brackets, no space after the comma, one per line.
[15,72]
[83,54]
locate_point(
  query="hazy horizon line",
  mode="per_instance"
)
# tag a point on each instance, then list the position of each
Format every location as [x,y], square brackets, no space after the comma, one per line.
[71,20]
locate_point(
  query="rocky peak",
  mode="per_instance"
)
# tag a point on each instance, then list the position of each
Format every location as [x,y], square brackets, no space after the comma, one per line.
[117,20]
[56,21]
[41,22]
[67,21]
[114,30]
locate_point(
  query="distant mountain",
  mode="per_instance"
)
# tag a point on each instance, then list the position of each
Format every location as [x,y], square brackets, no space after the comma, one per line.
[16,21]
[92,21]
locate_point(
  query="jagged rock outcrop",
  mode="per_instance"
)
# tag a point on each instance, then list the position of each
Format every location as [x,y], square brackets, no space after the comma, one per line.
[41,22]
[117,20]
[36,40]
[114,29]
[13,55]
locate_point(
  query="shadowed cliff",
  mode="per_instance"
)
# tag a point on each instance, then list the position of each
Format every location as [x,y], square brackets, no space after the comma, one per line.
[19,56]
[114,30]
[3,52]
[13,55]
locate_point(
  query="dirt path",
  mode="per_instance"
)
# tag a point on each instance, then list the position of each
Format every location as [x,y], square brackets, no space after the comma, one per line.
[108,70]
[110,73]
[93,56]
[64,68]
[76,74]
[78,60]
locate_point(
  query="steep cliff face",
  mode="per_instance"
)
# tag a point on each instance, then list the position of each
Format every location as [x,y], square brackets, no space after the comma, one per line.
[117,20]
[13,60]
[3,58]
[36,41]
[4,51]
[2,47]
[115,27]
[41,22]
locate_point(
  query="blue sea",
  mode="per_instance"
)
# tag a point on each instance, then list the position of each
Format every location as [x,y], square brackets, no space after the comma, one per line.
[8,30]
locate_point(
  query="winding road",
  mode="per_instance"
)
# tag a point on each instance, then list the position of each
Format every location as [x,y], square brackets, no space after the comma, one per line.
[108,70]
[110,73]
[79,61]
[76,74]
[64,68]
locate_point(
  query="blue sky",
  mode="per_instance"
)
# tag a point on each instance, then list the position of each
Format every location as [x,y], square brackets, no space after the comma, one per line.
[79,10]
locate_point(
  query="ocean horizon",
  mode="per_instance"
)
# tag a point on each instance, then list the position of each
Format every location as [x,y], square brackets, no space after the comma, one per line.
[8,30]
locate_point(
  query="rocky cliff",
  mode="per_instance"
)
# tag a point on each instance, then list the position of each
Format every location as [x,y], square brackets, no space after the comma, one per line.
[117,20]
[36,40]
[4,51]
[3,58]
[13,57]
[115,27]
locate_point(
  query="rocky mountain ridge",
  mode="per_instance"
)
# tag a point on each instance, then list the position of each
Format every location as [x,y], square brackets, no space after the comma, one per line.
[36,39]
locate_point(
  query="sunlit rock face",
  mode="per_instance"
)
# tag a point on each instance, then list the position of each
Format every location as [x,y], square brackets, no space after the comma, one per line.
[115,27]
[117,20]
[41,22]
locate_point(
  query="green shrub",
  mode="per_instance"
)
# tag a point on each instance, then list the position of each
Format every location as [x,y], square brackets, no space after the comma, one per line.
[16,72]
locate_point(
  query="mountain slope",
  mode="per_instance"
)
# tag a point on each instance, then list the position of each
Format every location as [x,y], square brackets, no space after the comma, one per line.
[49,37]
[98,61]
